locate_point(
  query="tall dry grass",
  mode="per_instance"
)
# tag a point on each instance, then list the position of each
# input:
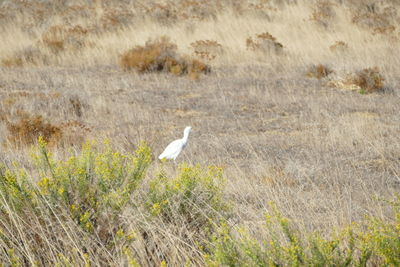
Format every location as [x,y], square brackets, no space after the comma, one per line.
[321,151]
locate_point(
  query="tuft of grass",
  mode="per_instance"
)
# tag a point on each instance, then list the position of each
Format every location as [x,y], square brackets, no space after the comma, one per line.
[60,37]
[160,55]
[339,46]
[26,56]
[264,42]
[369,80]
[377,21]
[207,49]
[323,13]
[319,71]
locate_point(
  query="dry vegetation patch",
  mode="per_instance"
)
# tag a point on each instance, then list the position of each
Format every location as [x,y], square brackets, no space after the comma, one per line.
[264,42]
[323,13]
[320,155]
[27,56]
[319,71]
[27,128]
[60,37]
[369,80]
[207,49]
[160,55]
[339,46]
[376,18]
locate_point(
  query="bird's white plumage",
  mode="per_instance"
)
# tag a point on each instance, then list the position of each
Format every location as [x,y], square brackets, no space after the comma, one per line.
[175,147]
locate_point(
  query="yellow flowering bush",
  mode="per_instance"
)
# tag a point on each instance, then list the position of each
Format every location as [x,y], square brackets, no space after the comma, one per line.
[382,238]
[379,245]
[83,195]
[193,197]
[93,209]
[94,185]
[14,189]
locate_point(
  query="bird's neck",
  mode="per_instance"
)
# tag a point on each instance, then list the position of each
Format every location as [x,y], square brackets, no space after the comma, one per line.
[185,137]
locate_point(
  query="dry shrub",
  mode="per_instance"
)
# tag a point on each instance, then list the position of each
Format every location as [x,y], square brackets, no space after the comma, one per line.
[184,10]
[28,128]
[199,10]
[339,46]
[60,37]
[165,14]
[161,55]
[371,18]
[74,133]
[195,67]
[260,9]
[369,80]
[365,81]
[115,18]
[77,106]
[26,56]
[207,49]
[323,13]
[319,71]
[264,42]
[277,176]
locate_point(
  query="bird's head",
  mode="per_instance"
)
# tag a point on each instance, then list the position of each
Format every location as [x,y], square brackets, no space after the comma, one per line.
[187,130]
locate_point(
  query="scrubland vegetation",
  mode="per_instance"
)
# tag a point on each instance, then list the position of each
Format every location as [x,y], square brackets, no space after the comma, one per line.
[294,159]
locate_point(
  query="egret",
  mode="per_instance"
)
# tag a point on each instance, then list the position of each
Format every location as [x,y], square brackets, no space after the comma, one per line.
[175,147]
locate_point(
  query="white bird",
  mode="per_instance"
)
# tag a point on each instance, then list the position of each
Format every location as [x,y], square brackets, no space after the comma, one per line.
[175,147]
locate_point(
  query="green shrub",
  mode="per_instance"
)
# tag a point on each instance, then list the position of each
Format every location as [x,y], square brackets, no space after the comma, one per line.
[92,184]
[382,238]
[285,246]
[82,196]
[73,212]
[194,197]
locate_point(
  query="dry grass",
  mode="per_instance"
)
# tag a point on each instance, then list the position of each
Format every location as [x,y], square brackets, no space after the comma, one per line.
[207,49]
[339,46]
[319,71]
[323,155]
[323,13]
[264,42]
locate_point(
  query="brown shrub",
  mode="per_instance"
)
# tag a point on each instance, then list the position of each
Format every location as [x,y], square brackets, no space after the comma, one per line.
[277,176]
[339,46]
[59,37]
[369,80]
[77,105]
[161,55]
[319,71]
[264,42]
[379,22]
[28,128]
[74,133]
[323,13]
[165,14]
[207,49]
[26,56]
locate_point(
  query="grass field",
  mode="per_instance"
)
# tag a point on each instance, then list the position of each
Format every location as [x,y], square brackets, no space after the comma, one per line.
[300,108]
